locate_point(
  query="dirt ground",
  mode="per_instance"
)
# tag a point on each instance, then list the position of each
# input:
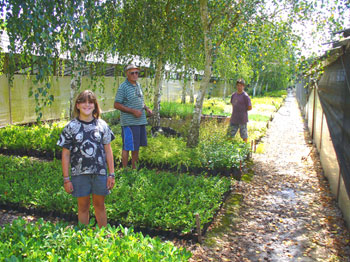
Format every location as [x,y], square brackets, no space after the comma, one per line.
[287,211]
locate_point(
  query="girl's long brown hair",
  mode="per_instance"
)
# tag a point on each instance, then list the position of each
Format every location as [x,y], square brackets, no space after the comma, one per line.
[84,96]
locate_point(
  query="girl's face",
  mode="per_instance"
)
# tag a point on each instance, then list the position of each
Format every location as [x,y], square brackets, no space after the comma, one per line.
[86,108]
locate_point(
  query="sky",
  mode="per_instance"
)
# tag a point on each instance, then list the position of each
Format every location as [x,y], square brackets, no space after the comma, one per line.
[318,41]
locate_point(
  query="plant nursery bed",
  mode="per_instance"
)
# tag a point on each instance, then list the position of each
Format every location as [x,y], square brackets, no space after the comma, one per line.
[37,241]
[214,155]
[31,152]
[220,119]
[154,200]
[234,172]
[48,215]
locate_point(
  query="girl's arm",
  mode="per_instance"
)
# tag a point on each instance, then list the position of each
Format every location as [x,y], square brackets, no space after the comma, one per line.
[110,164]
[65,169]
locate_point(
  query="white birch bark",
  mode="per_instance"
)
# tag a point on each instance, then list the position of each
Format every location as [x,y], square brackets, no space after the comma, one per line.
[193,135]
[155,120]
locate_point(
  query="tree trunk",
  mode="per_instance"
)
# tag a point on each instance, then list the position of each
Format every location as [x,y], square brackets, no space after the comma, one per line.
[255,86]
[186,83]
[155,119]
[192,89]
[193,135]
[75,84]
[225,88]
[259,88]
[184,89]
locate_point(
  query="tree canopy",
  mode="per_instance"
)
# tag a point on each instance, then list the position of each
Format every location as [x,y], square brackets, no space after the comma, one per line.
[224,39]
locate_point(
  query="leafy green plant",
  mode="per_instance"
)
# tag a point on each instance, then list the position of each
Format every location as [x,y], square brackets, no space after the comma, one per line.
[165,200]
[112,117]
[256,129]
[46,241]
[211,106]
[42,137]
[217,151]
[276,93]
[214,150]
[164,152]
[215,106]
[176,109]
[34,184]
[267,105]
[145,198]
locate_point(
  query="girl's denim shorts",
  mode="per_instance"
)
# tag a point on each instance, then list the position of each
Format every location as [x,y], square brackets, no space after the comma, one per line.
[85,185]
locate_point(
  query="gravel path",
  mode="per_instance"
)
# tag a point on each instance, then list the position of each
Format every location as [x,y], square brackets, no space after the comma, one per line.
[287,212]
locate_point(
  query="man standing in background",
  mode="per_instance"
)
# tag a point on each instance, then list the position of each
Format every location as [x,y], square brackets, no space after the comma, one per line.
[130,101]
[241,104]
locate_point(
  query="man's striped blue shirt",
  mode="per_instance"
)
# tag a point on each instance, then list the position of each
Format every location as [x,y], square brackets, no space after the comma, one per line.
[131,96]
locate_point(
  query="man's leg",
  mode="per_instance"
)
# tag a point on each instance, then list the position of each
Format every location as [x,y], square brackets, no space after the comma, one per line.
[125,158]
[140,136]
[128,144]
[134,158]
[243,131]
[232,130]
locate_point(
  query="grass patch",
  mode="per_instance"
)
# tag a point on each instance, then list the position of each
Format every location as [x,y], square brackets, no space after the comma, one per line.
[258,117]
[228,218]
[176,110]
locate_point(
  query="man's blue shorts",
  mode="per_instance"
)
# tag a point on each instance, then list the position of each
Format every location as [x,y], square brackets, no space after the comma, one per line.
[134,137]
[85,185]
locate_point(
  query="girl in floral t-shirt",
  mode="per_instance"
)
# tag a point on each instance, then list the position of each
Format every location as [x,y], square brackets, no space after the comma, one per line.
[86,148]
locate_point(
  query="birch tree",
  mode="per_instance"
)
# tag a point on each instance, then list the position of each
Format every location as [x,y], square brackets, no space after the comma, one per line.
[151,30]
[218,21]
[48,36]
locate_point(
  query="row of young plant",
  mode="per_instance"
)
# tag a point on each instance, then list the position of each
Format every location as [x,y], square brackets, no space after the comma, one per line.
[177,110]
[211,106]
[214,153]
[35,138]
[47,241]
[146,198]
